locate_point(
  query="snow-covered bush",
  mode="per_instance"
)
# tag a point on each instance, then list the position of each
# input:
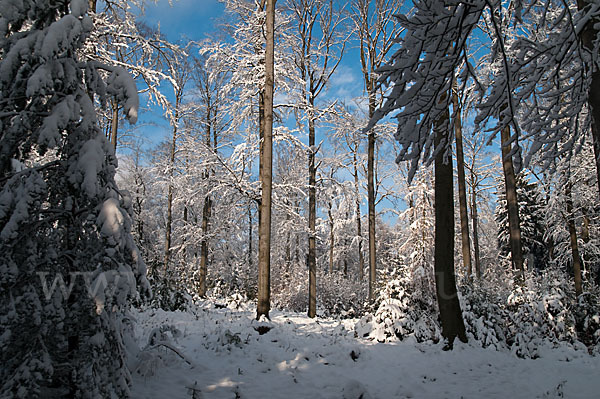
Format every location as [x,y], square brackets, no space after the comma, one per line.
[540,312]
[169,293]
[483,314]
[291,294]
[406,306]
[587,316]
[340,296]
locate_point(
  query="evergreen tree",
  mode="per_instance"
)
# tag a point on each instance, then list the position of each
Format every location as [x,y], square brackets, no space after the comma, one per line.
[68,264]
[531,217]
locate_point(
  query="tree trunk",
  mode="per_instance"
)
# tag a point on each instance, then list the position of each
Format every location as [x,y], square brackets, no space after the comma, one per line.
[588,35]
[331,237]
[371,198]
[585,236]
[512,204]
[288,249]
[170,190]
[264,229]
[573,240]
[206,210]
[445,281]
[361,261]
[206,207]
[462,192]
[475,229]
[312,216]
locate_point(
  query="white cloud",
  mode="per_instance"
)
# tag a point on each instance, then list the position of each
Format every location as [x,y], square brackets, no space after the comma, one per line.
[343,76]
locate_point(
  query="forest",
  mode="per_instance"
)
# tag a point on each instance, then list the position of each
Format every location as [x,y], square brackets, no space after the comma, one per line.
[313,191]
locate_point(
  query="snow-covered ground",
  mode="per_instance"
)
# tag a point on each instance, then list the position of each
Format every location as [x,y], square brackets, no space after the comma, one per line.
[304,358]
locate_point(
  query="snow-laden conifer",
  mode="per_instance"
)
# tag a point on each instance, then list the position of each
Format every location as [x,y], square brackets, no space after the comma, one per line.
[68,263]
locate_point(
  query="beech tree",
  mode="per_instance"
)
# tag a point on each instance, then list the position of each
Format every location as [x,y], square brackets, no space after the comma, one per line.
[266,170]
[420,74]
[479,169]
[462,191]
[180,73]
[376,33]
[209,81]
[346,127]
[317,53]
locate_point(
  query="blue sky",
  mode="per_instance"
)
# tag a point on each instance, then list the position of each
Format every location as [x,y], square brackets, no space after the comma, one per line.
[181,20]
[194,20]
[189,18]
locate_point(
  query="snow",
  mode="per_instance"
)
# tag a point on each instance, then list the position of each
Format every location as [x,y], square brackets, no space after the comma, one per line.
[110,221]
[89,164]
[217,353]
[60,37]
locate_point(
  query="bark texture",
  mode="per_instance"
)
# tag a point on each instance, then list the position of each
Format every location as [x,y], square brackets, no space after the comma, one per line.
[312,217]
[512,204]
[462,191]
[264,228]
[445,280]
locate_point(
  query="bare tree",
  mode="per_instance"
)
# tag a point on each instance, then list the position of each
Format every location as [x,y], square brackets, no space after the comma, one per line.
[318,53]
[119,38]
[573,237]
[376,30]
[180,72]
[209,80]
[347,129]
[479,172]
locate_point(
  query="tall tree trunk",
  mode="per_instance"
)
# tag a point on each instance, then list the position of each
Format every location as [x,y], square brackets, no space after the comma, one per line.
[475,218]
[512,204]
[445,280]
[588,36]
[312,216]
[206,210]
[361,261]
[264,229]
[371,197]
[462,191]
[169,221]
[573,240]
[288,247]
[376,31]
[331,237]
[345,260]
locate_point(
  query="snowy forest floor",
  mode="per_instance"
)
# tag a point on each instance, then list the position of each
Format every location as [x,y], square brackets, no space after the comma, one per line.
[305,358]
